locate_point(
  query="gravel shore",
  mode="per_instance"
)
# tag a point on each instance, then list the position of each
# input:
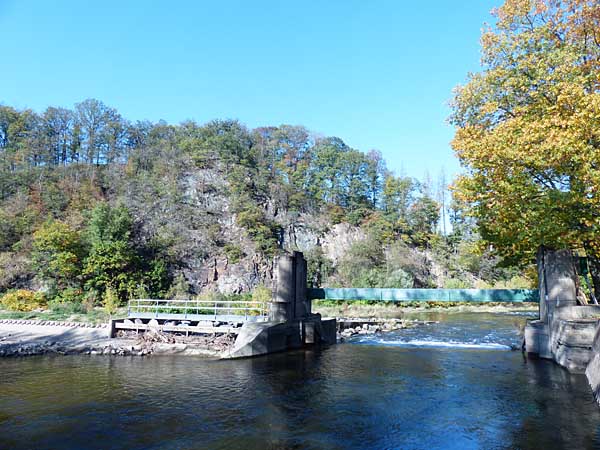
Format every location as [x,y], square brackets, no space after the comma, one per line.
[30,337]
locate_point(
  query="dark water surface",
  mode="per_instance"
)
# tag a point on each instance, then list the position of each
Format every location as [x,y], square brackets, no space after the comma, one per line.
[453,385]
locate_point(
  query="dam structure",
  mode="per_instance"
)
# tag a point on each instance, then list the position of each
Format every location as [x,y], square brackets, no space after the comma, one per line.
[290,323]
[566,332]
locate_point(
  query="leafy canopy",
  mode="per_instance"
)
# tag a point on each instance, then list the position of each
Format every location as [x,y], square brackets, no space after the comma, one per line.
[528,128]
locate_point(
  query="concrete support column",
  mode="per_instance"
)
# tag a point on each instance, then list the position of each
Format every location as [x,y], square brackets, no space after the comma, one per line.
[290,301]
[281,309]
[556,275]
[302,309]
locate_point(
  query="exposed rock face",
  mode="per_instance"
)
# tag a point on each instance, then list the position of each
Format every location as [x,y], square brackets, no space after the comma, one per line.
[204,229]
[301,236]
[339,239]
[208,267]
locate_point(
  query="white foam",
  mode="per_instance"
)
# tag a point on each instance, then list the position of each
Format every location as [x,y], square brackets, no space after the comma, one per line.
[441,344]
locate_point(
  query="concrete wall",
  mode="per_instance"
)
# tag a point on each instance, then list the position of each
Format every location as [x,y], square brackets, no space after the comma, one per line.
[592,372]
[257,339]
[565,330]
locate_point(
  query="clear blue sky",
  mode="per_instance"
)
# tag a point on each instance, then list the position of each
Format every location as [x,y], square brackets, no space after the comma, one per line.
[377,74]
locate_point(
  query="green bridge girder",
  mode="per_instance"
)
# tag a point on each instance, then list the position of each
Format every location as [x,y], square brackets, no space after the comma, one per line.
[425,295]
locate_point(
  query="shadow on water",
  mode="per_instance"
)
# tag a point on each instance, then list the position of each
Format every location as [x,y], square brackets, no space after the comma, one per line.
[346,396]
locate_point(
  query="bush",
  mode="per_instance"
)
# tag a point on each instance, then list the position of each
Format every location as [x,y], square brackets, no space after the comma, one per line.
[69,295]
[67,308]
[261,294]
[180,289]
[110,301]
[23,300]
[457,283]
[233,252]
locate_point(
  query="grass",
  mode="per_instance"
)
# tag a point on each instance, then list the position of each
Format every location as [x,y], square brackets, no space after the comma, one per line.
[62,314]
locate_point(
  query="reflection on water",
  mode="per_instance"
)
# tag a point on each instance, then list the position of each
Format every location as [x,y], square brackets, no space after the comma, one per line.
[370,395]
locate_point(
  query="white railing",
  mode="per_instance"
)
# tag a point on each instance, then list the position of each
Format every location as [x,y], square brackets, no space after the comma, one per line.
[196,309]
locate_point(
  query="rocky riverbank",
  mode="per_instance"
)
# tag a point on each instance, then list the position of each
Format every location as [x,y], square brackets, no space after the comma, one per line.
[33,337]
[30,337]
[348,327]
[401,311]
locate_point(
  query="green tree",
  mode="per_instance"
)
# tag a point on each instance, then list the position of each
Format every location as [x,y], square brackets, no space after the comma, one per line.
[398,195]
[57,254]
[423,217]
[110,301]
[112,259]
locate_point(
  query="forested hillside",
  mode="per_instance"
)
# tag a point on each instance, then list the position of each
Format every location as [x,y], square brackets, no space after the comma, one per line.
[91,203]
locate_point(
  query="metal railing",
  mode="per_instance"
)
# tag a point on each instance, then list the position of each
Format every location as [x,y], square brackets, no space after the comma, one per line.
[424,295]
[224,310]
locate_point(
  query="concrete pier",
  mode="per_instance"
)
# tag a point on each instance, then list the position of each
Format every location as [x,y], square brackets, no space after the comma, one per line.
[565,330]
[291,323]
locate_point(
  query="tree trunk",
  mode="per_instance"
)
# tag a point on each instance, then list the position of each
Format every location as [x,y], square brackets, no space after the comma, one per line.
[594,263]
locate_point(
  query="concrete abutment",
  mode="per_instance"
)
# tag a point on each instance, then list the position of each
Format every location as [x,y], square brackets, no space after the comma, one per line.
[566,332]
[291,323]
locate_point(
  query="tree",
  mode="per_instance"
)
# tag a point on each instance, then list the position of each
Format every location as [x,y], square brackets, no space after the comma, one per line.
[423,217]
[397,198]
[110,301]
[101,131]
[57,254]
[57,128]
[528,130]
[112,260]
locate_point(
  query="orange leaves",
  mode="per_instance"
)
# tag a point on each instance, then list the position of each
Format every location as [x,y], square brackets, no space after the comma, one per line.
[528,128]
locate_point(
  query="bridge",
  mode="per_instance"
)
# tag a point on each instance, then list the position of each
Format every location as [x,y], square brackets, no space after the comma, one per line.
[190,316]
[197,310]
[426,295]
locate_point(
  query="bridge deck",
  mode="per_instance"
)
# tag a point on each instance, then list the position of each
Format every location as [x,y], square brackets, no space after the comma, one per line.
[225,311]
[424,295]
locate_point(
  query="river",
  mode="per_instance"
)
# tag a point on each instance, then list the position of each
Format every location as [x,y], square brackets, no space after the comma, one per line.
[451,385]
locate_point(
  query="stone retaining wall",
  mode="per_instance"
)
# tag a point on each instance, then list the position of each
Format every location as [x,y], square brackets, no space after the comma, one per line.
[592,372]
[52,323]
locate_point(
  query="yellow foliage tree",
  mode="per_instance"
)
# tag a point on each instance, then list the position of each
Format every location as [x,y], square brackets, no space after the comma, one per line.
[528,130]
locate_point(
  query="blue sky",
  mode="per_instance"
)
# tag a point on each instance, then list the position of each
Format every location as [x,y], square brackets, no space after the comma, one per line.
[377,74]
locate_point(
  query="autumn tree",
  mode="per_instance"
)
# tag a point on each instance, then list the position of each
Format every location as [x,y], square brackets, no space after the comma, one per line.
[528,130]
[57,254]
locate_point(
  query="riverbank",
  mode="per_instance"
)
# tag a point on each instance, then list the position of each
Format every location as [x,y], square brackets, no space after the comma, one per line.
[87,336]
[29,338]
[400,310]
[34,337]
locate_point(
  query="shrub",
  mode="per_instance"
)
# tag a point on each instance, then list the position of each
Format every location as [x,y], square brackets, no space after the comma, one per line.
[180,289]
[23,300]
[110,301]
[456,283]
[233,252]
[69,295]
[261,294]
[89,301]
[67,308]
[141,292]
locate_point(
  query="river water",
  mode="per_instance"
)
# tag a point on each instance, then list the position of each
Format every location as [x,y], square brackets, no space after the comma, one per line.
[452,385]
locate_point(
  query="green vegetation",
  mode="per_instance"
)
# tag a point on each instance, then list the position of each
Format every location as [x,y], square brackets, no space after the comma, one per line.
[22,300]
